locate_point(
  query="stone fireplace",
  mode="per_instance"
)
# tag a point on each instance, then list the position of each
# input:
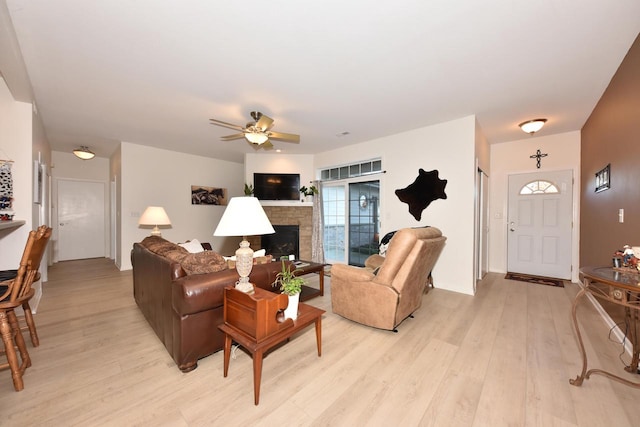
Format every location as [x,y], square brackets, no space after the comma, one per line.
[290,215]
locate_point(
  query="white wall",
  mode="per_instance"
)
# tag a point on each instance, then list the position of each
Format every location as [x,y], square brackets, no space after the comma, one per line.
[16,145]
[513,157]
[155,177]
[448,147]
[68,167]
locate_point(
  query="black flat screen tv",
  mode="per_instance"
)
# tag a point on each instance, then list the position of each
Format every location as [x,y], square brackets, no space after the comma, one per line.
[276,186]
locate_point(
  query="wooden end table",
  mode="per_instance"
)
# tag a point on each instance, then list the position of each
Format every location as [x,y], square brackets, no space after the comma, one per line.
[307,315]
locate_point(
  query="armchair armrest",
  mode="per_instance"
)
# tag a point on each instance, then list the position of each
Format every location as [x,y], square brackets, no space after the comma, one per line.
[351,273]
[374,261]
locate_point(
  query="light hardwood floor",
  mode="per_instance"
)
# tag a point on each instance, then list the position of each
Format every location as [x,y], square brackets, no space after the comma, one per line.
[501,358]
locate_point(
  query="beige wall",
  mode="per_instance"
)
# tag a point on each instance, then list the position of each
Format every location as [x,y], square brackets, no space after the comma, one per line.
[15,144]
[563,153]
[66,166]
[156,177]
[448,147]
[610,135]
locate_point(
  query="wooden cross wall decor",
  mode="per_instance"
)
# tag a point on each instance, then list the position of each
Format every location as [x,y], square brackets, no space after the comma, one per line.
[538,156]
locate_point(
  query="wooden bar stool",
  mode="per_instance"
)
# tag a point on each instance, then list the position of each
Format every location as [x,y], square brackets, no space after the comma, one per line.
[17,293]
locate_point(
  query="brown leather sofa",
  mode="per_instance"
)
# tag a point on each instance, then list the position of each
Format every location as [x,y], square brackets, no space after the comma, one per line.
[184,309]
[389,288]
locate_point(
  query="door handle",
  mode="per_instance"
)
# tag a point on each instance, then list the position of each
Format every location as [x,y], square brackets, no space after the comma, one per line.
[511,226]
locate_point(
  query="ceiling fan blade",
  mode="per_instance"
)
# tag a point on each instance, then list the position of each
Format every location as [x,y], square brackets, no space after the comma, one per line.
[264,123]
[267,146]
[232,137]
[286,137]
[225,124]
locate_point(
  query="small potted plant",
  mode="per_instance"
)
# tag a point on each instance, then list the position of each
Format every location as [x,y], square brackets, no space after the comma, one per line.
[248,190]
[290,285]
[308,192]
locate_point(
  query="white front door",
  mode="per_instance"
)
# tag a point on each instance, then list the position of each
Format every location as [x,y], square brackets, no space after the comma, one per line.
[80,220]
[539,224]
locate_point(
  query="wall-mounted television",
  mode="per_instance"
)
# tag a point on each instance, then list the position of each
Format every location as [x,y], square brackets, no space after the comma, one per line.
[276,186]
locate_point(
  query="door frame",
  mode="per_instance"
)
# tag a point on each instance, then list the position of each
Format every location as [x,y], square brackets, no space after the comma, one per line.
[55,235]
[344,183]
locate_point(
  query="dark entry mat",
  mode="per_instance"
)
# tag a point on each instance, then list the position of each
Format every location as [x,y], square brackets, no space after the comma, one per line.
[549,281]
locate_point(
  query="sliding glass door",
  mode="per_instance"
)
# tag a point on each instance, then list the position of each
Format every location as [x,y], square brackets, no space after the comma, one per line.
[351,220]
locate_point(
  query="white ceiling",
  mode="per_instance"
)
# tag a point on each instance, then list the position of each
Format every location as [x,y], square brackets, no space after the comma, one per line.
[153,72]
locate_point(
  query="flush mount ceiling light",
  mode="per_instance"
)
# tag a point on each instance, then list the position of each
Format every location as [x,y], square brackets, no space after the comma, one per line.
[84,153]
[256,137]
[532,126]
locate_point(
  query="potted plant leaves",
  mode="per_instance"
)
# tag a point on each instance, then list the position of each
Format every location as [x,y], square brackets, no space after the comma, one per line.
[290,285]
[308,192]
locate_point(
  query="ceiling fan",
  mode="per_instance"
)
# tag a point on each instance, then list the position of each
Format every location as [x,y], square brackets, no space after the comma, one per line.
[258,134]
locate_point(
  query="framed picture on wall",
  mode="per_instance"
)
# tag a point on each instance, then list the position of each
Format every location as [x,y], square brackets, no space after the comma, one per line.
[201,195]
[603,178]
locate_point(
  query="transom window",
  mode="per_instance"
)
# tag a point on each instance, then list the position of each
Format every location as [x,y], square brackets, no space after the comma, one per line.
[353,170]
[539,187]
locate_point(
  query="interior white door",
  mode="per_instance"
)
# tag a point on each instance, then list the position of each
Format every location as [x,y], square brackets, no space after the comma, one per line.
[81,220]
[539,225]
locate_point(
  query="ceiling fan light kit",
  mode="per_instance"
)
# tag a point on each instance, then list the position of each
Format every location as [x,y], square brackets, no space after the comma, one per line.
[256,137]
[257,133]
[532,126]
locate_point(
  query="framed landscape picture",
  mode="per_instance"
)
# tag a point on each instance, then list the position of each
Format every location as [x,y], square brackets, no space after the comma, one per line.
[201,195]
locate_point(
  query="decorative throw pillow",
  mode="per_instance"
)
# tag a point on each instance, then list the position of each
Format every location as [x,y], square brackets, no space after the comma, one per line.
[384,243]
[193,246]
[200,263]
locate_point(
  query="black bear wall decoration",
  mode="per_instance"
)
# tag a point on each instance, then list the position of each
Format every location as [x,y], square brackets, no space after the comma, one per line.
[426,188]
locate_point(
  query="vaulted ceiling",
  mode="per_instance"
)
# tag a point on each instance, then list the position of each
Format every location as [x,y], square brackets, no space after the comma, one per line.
[153,72]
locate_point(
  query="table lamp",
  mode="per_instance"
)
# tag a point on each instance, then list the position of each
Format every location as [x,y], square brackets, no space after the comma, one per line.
[154,215]
[244,217]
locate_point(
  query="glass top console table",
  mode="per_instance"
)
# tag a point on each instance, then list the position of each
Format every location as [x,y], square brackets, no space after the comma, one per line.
[621,287]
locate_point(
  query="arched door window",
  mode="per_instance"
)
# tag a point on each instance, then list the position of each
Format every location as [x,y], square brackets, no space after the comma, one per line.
[539,187]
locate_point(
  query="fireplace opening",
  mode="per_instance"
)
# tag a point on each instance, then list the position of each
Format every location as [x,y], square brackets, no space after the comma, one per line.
[284,242]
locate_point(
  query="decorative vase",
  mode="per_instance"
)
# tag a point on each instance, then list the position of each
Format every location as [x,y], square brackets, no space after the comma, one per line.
[291,312]
[308,198]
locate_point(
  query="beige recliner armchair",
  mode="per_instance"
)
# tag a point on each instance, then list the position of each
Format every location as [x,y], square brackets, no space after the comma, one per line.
[390,288]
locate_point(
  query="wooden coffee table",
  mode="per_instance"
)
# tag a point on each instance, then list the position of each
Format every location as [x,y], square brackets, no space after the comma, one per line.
[307,315]
[309,267]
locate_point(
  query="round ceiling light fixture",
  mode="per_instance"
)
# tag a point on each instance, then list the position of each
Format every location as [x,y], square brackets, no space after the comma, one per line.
[84,153]
[532,126]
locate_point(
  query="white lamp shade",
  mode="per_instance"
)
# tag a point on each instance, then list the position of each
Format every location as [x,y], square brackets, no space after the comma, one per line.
[244,216]
[154,215]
